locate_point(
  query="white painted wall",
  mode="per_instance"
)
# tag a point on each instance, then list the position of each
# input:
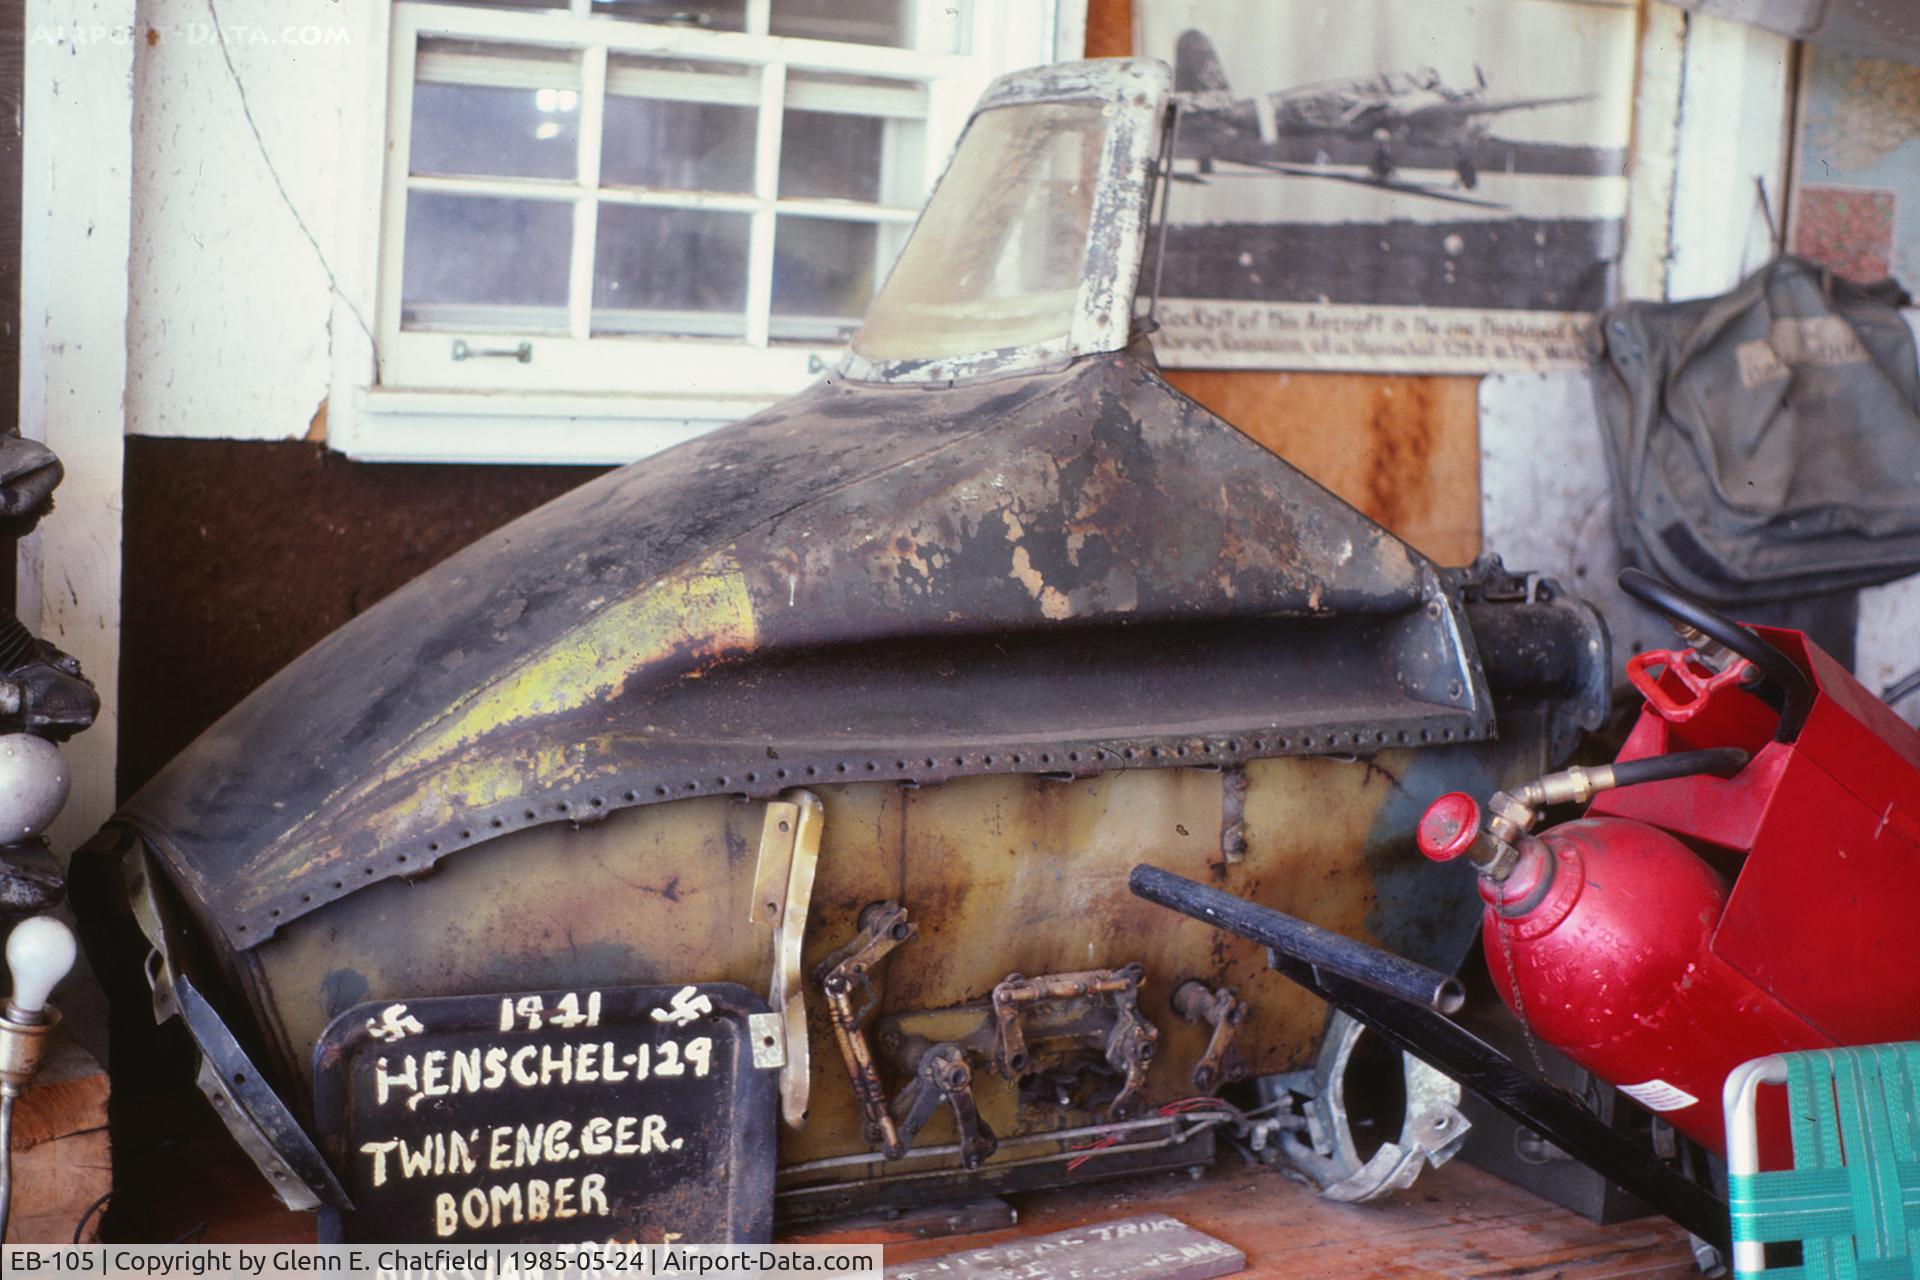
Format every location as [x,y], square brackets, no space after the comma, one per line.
[1546,506]
[1733,140]
[76,177]
[1713,129]
[166,287]
[228,320]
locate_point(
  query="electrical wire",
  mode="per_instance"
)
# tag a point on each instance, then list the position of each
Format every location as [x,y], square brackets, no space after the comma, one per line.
[6,1160]
[1902,688]
[80,1227]
[1180,1108]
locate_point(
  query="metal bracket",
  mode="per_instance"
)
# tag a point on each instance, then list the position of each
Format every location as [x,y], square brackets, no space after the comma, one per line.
[1223,1011]
[1431,1133]
[883,926]
[254,1114]
[782,891]
[769,1040]
[943,1075]
[1129,1045]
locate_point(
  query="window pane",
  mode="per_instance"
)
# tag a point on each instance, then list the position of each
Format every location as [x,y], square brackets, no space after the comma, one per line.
[480,262]
[510,4]
[888,22]
[713,15]
[680,271]
[687,126]
[997,256]
[825,271]
[490,110]
[854,138]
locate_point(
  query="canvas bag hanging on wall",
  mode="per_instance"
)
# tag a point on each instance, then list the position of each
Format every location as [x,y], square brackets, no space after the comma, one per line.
[1765,443]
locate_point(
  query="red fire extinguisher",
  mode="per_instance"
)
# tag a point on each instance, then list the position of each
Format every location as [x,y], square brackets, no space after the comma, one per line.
[1746,879]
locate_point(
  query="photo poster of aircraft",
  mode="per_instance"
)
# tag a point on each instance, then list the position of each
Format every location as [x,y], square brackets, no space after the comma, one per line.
[1409,186]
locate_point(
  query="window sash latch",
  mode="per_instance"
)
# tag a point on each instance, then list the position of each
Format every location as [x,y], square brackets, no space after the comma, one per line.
[462,350]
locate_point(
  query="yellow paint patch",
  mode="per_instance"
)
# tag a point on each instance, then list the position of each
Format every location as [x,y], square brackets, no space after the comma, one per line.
[488,779]
[704,614]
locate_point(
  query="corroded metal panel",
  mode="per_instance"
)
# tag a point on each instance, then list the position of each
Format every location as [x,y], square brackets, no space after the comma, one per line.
[1003,875]
[1066,572]
[1018,621]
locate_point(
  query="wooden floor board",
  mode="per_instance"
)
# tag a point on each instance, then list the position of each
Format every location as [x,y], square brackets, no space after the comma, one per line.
[1455,1224]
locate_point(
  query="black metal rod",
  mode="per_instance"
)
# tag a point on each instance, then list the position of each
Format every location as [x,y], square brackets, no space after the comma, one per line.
[1349,976]
[1369,966]
[1558,1117]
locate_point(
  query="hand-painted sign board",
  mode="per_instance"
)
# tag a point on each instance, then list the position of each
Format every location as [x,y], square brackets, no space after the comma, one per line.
[1151,1246]
[618,1113]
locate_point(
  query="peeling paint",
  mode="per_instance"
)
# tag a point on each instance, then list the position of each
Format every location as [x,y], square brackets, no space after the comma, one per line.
[1170,577]
[705,614]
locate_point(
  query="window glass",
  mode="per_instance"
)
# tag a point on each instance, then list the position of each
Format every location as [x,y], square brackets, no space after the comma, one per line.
[846,137]
[491,110]
[712,15]
[996,259]
[677,124]
[670,271]
[883,22]
[825,271]
[534,5]
[481,262]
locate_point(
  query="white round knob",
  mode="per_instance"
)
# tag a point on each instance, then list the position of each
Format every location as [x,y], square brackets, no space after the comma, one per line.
[40,952]
[33,785]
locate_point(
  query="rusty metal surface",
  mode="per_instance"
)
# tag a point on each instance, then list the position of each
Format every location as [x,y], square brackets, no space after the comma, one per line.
[1016,632]
[1003,873]
[1065,572]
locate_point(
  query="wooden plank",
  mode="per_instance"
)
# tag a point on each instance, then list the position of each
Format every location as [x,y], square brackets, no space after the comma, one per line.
[62,1160]
[1456,1223]
[930,1222]
[69,1096]
[1149,1245]
[1109,28]
[1403,449]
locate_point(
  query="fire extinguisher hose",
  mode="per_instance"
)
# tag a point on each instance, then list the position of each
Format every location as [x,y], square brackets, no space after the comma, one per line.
[1721,762]
[1777,667]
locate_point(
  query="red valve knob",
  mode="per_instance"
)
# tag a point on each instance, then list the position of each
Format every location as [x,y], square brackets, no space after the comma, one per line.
[1448,827]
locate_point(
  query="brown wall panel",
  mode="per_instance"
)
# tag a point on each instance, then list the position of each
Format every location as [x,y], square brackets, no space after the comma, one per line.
[240,555]
[1109,28]
[1405,450]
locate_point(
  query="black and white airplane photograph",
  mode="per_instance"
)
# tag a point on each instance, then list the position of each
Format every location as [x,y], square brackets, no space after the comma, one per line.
[1396,153]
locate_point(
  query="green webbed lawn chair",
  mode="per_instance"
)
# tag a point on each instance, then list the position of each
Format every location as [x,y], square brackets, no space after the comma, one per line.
[1852,1200]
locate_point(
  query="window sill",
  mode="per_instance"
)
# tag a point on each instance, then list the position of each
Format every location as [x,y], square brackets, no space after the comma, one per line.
[393,425]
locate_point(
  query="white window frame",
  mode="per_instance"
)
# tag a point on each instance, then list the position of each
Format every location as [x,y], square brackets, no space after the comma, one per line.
[581,398]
